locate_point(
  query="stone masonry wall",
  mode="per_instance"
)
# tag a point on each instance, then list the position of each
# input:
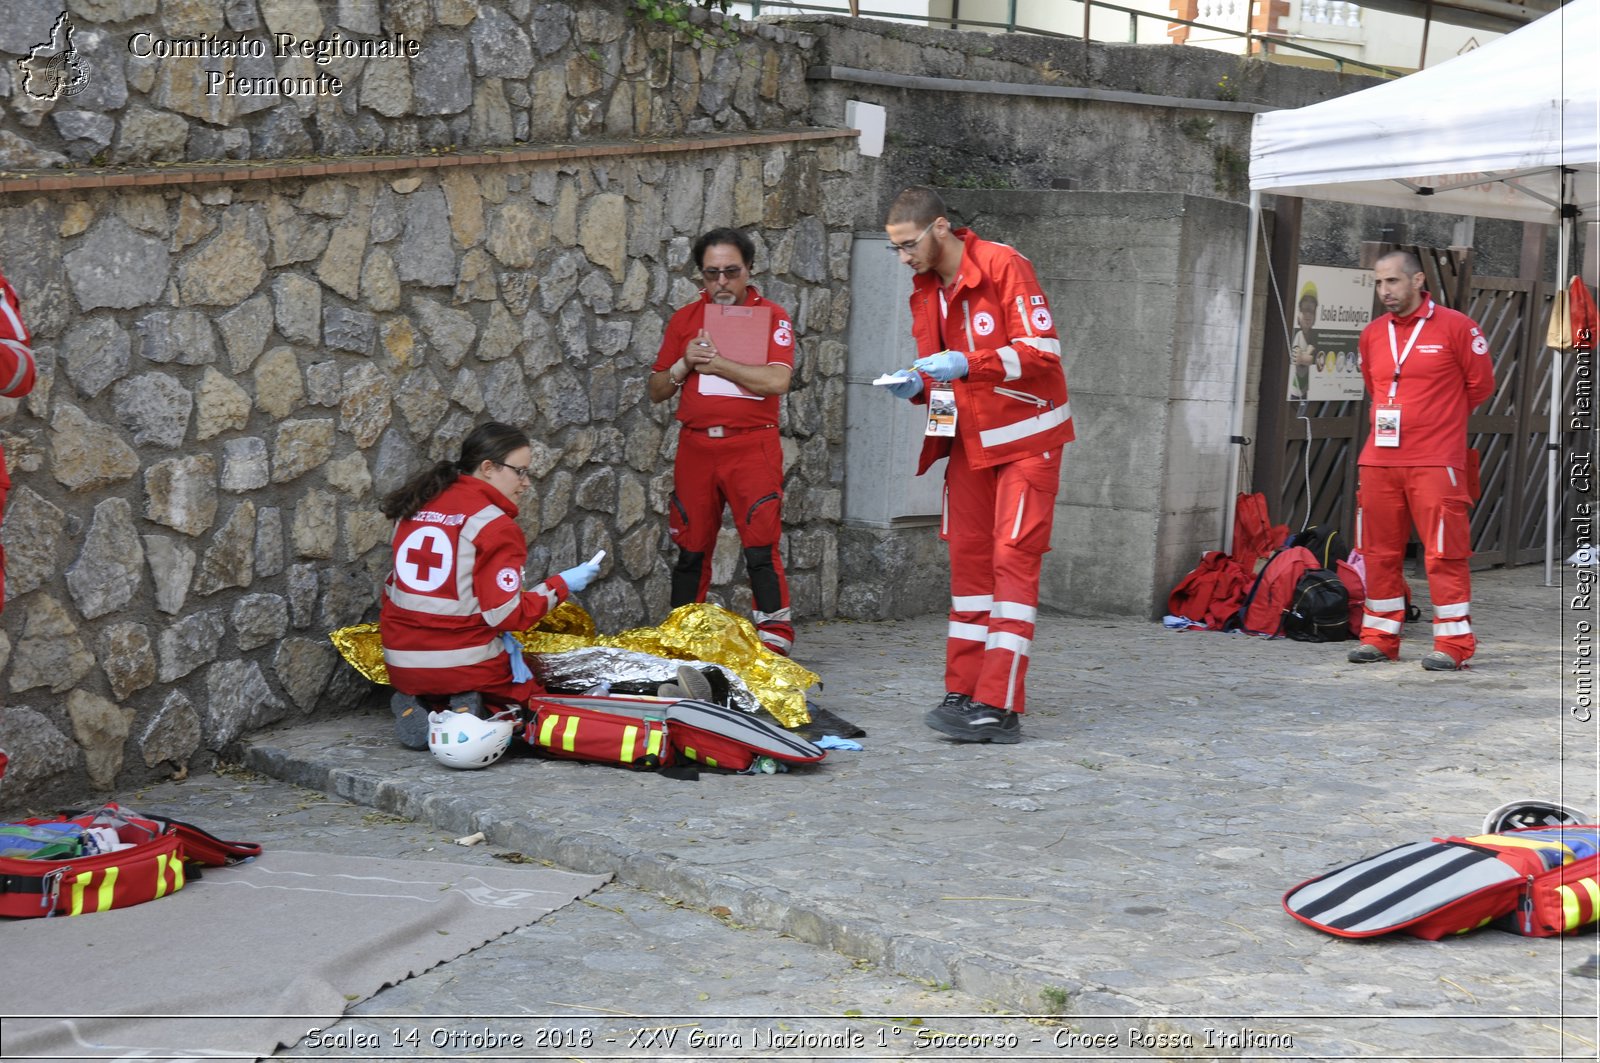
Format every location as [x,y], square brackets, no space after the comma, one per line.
[485,73]
[236,364]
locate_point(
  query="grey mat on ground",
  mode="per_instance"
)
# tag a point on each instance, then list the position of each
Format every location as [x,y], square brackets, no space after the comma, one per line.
[254,955]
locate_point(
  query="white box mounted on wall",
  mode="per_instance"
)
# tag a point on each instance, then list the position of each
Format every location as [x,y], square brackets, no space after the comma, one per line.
[871,120]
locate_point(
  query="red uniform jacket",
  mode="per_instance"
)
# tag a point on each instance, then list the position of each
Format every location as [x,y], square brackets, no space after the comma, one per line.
[456,585]
[705,411]
[17,374]
[1013,401]
[1448,371]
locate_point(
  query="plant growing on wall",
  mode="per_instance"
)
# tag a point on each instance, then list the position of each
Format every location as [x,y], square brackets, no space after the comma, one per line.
[675,16]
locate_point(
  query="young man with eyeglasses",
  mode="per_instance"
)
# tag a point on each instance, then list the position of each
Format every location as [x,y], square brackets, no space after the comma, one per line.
[728,449]
[987,342]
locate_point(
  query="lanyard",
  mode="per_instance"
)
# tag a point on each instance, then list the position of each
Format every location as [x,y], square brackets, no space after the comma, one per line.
[1401,356]
[945,292]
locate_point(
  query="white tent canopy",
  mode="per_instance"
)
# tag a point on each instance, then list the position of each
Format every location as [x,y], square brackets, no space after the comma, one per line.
[1510,130]
[1484,134]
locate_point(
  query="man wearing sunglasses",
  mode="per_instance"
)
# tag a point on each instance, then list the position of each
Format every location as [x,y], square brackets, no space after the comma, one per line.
[728,449]
[988,345]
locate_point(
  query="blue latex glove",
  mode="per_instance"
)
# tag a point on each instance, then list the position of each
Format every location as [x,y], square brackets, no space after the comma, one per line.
[835,742]
[908,386]
[944,366]
[580,576]
[520,672]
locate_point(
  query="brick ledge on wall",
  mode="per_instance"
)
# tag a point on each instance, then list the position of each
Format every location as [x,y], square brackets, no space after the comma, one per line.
[233,172]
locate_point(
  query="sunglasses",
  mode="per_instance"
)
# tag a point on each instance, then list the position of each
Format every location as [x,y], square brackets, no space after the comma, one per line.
[729,272]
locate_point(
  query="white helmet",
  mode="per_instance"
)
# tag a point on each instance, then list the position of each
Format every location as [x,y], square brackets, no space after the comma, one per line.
[461,740]
[1531,813]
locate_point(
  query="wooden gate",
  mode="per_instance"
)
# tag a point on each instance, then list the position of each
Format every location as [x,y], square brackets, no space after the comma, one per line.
[1510,429]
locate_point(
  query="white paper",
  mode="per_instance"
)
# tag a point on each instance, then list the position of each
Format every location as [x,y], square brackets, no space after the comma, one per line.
[888,378]
[717,385]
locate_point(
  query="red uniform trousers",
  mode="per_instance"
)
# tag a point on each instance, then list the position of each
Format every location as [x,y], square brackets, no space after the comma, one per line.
[742,470]
[997,524]
[1434,498]
[443,682]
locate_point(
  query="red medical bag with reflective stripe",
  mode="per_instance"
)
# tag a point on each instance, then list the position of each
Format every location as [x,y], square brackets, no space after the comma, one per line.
[1563,900]
[1536,881]
[576,733]
[152,866]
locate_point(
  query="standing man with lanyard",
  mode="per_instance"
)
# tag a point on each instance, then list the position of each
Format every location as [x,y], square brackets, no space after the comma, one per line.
[990,373]
[728,449]
[1425,366]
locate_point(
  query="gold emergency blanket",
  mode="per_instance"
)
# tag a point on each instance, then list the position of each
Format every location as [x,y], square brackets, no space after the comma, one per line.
[696,632]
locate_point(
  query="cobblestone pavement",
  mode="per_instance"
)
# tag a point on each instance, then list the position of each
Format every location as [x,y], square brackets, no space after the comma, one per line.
[1120,870]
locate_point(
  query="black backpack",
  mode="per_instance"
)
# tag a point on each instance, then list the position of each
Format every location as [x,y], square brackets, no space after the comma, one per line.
[1319,610]
[1326,543]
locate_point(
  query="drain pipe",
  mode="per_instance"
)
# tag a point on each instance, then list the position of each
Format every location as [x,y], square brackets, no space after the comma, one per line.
[1241,375]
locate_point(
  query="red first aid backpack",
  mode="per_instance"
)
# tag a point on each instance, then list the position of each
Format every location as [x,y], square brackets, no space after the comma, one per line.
[153,866]
[646,732]
[1254,534]
[1273,592]
[598,733]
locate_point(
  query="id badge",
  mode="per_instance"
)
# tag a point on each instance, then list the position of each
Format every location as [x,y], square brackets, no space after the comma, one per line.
[1386,426]
[941,412]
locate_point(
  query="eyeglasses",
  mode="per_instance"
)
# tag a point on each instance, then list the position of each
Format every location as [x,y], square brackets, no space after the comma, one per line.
[911,245]
[730,272]
[524,473]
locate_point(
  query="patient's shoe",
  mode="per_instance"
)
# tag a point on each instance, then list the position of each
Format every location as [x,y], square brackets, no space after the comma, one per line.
[694,683]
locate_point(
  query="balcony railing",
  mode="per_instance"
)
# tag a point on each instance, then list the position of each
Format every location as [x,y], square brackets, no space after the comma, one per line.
[1331,13]
[1312,11]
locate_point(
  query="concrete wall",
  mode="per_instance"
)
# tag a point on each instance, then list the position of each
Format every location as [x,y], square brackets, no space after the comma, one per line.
[968,137]
[890,550]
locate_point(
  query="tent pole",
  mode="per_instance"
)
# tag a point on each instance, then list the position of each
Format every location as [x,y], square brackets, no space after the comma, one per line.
[1553,428]
[1564,242]
[1241,374]
[1427,24]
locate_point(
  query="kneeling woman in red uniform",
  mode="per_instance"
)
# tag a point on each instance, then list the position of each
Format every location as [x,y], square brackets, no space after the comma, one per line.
[456,585]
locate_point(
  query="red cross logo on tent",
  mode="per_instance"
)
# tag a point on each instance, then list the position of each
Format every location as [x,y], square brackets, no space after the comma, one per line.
[425,559]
